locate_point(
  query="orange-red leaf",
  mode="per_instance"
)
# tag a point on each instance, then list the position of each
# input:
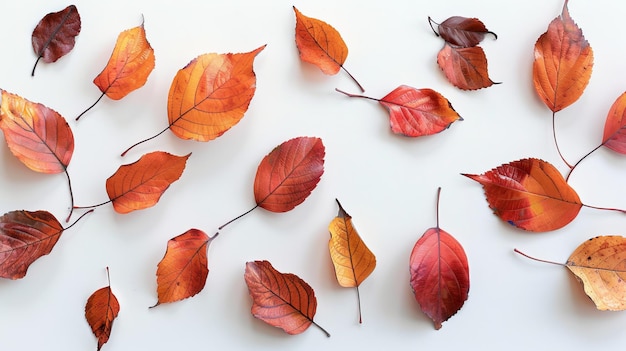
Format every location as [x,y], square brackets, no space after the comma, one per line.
[24,237]
[465,68]
[211,94]
[600,264]
[37,135]
[462,31]
[563,63]
[55,35]
[129,66]
[615,126]
[417,112]
[320,44]
[282,300]
[139,185]
[439,275]
[530,194]
[100,311]
[287,175]
[183,271]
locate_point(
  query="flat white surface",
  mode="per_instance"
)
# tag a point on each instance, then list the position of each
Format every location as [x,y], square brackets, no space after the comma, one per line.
[386,182]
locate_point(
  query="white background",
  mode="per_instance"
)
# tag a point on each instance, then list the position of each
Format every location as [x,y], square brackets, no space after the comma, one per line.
[386,182]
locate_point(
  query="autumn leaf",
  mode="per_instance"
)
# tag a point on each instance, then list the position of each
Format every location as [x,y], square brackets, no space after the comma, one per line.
[461,31]
[37,135]
[614,128]
[55,35]
[465,68]
[439,273]
[352,259]
[100,311]
[210,95]
[282,300]
[183,271]
[416,112]
[128,68]
[599,264]
[140,185]
[563,63]
[530,194]
[25,236]
[321,45]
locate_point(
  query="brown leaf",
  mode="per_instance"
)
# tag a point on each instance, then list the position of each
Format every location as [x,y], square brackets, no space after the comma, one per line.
[100,311]
[281,300]
[183,271]
[462,31]
[55,35]
[465,68]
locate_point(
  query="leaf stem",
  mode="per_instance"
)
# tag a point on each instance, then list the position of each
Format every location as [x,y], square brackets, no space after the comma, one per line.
[69,184]
[605,208]
[320,327]
[358,298]
[538,259]
[76,221]
[353,79]
[92,206]
[579,161]
[236,218]
[437,208]
[90,107]
[430,22]
[556,142]
[145,140]
[32,74]
[108,276]
[355,95]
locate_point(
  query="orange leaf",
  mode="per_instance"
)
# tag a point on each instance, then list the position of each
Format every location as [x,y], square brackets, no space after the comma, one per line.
[211,94]
[130,64]
[139,185]
[563,63]
[352,259]
[100,311]
[37,135]
[183,271]
[25,237]
[530,194]
[615,126]
[281,300]
[416,112]
[465,68]
[55,35]
[321,45]
[288,174]
[600,264]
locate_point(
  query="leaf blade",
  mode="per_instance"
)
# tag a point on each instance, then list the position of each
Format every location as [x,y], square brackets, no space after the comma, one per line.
[614,136]
[530,194]
[129,66]
[55,35]
[101,309]
[465,68]
[563,63]
[140,185]
[288,174]
[463,31]
[26,236]
[211,94]
[183,271]
[37,135]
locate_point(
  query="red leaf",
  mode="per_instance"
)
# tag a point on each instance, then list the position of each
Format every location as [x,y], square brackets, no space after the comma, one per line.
[615,126]
[54,36]
[183,271]
[139,185]
[288,174]
[24,237]
[100,311]
[563,63]
[465,68]
[462,31]
[530,194]
[281,300]
[439,275]
[37,135]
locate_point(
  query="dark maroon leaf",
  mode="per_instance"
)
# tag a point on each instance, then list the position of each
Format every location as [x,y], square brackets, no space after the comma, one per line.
[462,31]
[54,36]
